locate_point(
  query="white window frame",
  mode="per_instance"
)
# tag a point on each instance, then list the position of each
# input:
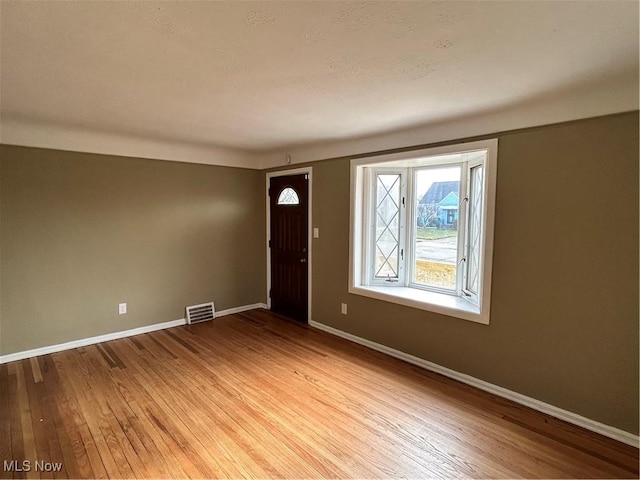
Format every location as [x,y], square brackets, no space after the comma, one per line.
[370,237]
[412,244]
[474,296]
[459,303]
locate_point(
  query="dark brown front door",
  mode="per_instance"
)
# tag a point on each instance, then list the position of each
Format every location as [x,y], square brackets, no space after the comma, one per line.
[288,202]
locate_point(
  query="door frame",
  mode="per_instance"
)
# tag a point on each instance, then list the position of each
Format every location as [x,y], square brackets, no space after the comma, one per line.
[284,173]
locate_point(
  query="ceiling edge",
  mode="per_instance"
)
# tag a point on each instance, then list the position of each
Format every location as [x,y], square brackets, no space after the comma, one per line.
[574,102]
[46,135]
[533,112]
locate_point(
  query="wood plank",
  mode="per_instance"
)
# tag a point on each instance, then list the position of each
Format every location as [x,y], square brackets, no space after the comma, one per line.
[74,457]
[37,421]
[113,355]
[85,448]
[5,415]
[158,448]
[105,355]
[114,463]
[170,416]
[256,395]
[47,421]
[28,436]
[226,424]
[379,465]
[464,397]
[368,423]
[154,432]
[17,441]
[35,370]
[143,465]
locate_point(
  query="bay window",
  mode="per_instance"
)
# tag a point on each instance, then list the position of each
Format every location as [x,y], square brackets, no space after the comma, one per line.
[422,228]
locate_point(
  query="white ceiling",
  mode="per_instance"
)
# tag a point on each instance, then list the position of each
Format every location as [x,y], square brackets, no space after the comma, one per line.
[236,79]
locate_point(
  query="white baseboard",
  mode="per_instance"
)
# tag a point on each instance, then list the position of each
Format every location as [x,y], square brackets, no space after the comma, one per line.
[12,357]
[36,352]
[243,308]
[601,428]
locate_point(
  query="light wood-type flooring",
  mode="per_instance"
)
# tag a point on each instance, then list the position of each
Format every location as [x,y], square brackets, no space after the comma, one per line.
[254,395]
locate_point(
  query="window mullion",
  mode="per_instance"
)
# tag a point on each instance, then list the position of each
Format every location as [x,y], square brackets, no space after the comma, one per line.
[405,223]
[367,220]
[463,209]
[372,227]
[408,226]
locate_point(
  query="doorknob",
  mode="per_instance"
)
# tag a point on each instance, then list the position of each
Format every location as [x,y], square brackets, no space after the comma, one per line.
[303,260]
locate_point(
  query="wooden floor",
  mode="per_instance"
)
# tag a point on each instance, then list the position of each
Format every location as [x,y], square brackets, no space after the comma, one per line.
[253,395]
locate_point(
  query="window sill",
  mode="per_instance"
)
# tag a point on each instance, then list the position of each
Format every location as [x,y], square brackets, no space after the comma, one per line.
[431,301]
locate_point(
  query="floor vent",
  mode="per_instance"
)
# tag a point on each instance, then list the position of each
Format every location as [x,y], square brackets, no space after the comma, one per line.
[201,313]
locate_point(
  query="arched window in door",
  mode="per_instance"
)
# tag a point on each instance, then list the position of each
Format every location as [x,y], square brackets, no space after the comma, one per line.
[288,196]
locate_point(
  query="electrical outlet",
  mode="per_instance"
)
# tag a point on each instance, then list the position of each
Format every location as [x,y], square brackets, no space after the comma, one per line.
[316,232]
[122,308]
[343,308]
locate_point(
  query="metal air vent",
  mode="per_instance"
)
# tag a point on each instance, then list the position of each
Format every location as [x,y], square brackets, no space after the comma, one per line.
[201,313]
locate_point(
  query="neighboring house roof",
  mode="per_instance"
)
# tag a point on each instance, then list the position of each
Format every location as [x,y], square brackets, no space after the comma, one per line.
[438,190]
[450,201]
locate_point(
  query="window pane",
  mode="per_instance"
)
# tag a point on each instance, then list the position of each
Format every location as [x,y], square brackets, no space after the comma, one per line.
[288,196]
[475,227]
[436,242]
[387,226]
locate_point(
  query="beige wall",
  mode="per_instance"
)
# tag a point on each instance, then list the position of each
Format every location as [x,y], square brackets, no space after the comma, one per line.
[83,232]
[564,311]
